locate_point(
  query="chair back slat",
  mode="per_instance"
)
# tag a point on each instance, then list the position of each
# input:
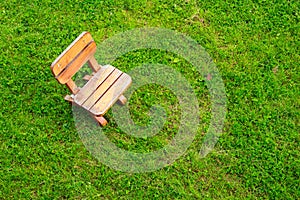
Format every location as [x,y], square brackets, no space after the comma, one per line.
[74,57]
[77,63]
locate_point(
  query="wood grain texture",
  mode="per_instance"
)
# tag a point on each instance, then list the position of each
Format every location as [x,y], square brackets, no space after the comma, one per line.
[92,84]
[111,95]
[97,94]
[71,52]
[77,63]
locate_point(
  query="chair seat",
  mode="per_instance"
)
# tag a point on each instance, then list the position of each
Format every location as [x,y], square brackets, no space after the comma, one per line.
[102,90]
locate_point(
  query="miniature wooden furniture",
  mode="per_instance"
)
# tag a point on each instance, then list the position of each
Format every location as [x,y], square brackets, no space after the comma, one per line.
[103,88]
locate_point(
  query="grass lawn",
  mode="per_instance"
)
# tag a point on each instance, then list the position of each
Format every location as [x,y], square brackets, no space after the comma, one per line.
[255,46]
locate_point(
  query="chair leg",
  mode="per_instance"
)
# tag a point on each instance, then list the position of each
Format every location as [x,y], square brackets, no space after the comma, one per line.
[122,100]
[101,120]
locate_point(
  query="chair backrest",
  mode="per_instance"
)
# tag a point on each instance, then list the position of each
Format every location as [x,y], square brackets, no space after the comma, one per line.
[73,58]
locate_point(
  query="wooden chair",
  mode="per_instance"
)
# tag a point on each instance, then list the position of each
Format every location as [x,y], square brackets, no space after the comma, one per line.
[103,88]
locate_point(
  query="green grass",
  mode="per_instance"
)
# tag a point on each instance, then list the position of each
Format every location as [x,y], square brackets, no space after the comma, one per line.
[255,46]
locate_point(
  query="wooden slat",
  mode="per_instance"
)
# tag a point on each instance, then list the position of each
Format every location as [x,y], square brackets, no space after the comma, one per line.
[77,63]
[102,89]
[111,95]
[71,52]
[92,85]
